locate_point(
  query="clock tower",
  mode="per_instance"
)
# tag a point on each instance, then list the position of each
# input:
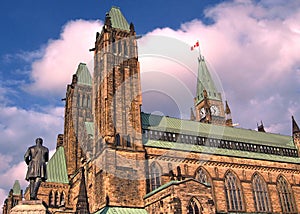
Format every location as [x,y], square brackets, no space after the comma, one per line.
[209,106]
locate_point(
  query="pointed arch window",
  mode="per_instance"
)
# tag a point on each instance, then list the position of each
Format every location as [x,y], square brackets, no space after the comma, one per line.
[194,207]
[83,101]
[117,140]
[128,141]
[57,199]
[286,197]
[78,100]
[260,194]
[155,174]
[125,48]
[202,176]
[233,193]
[51,198]
[89,101]
[177,206]
[62,199]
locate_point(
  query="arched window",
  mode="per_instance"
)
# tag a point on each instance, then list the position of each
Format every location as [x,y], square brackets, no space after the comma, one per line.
[57,199]
[233,193]
[260,194]
[89,101]
[194,207]
[125,48]
[117,140]
[286,197]
[155,176]
[51,198]
[78,100]
[202,176]
[83,101]
[177,206]
[62,199]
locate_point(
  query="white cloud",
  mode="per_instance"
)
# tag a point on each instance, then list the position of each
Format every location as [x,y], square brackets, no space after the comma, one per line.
[254,49]
[60,58]
[19,128]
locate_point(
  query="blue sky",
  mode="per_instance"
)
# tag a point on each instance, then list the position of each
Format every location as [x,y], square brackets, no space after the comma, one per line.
[253,47]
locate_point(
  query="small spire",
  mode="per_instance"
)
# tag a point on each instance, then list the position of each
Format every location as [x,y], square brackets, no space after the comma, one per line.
[17,188]
[295,126]
[193,118]
[227,109]
[82,206]
[260,127]
[228,121]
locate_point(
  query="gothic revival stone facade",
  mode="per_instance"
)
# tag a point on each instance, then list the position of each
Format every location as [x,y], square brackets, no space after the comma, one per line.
[113,158]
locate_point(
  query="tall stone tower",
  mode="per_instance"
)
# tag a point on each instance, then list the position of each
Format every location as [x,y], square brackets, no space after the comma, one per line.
[78,110]
[118,149]
[209,106]
[296,134]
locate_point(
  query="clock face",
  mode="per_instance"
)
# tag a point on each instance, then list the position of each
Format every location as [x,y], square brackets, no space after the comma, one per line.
[215,110]
[202,112]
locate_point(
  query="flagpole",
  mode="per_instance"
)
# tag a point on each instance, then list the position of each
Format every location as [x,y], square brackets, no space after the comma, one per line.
[200,56]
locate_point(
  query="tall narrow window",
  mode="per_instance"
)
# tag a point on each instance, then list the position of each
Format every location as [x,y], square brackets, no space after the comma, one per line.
[83,101]
[260,194]
[155,176]
[51,199]
[177,206]
[125,48]
[62,199]
[233,193]
[117,140]
[286,197]
[202,176]
[57,199]
[89,101]
[128,141]
[194,207]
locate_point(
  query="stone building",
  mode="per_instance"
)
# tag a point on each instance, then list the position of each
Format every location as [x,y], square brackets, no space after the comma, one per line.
[113,158]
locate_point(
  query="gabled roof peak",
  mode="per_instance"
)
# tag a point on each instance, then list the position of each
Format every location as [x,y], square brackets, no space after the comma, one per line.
[117,19]
[16,188]
[295,126]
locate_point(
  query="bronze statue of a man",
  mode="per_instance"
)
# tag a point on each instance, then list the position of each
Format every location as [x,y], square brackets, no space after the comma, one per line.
[36,158]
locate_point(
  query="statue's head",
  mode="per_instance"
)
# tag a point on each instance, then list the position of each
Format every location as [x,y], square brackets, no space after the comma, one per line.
[39,141]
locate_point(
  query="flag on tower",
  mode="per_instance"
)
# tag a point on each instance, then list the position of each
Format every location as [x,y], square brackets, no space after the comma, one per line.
[195,45]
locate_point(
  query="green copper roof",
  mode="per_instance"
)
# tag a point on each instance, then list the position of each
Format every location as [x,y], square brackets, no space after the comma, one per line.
[89,126]
[56,167]
[206,82]
[117,19]
[83,75]
[219,151]
[121,210]
[174,125]
[16,188]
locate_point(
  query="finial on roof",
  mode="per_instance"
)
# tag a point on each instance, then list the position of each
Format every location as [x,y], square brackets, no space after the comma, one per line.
[295,126]
[260,127]
[204,93]
[227,109]
[193,118]
[82,205]
[16,188]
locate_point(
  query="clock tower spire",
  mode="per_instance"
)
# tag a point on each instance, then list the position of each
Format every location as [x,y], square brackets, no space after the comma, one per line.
[208,101]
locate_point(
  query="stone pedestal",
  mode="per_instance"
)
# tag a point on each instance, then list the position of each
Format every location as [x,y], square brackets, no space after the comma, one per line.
[32,207]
